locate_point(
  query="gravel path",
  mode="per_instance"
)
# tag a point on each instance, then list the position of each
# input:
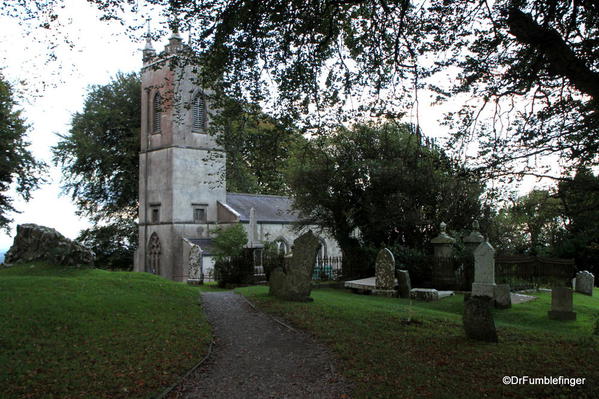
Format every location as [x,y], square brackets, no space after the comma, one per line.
[256,357]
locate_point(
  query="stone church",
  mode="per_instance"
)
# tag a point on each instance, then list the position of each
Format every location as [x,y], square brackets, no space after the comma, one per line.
[182,190]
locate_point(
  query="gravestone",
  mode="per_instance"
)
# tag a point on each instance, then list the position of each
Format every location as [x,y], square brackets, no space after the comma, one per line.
[293,283]
[196,272]
[385,271]
[484,271]
[561,304]
[503,296]
[478,319]
[585,281]
[403,283]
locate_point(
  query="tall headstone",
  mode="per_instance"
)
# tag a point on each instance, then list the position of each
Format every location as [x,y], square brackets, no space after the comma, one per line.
[196,272]
[385,270]
[484,271]
[561,304]
[403,283]
[585,281]
[443,243]
[294,282]
[475,238]
[478,319]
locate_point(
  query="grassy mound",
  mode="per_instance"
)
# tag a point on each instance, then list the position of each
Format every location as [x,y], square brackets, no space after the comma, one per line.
[83,333]
[393,349]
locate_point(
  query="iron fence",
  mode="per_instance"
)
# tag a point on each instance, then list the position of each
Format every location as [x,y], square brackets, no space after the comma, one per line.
[524,272]
[327,268]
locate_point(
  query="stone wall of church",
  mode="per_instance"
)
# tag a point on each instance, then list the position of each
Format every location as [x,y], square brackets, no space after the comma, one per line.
[274,231]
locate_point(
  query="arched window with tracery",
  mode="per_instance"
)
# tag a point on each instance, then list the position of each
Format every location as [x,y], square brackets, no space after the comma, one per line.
[281,246]
[154,251]
[156,113]
[199,113]
[322,250]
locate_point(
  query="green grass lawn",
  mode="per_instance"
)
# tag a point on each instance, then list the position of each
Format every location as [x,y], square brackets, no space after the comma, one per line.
[388,357]
[87,333]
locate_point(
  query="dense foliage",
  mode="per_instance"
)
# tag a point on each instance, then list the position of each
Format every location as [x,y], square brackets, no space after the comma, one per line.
[17,165]
[99,159]
[529,67]
[580,198]
[229,241]
[534,224]
[258,148]
[384,182]
[234,263]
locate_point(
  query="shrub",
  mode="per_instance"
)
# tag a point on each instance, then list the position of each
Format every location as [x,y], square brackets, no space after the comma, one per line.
[235,270]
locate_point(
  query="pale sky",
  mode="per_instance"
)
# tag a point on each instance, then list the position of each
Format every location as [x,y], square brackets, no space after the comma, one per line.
[100,51]
[53,91]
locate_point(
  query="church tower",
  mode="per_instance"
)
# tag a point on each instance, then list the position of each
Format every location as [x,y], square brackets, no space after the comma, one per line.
[182,168]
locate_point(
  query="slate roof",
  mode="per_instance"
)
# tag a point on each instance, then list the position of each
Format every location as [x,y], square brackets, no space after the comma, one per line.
[204,243]
[269,208]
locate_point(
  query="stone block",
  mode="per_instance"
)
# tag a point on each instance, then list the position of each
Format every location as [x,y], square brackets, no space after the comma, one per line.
[561,304]
[478,319]
[585,281]
[483,289]
[403,283]
[503,296]
[424,294]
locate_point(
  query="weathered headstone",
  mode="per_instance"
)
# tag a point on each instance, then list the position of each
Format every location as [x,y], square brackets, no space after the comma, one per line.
[484,270]
[196,272]
[478,319]
[424,294]
[403,283]
[40,243]
[561,304]
[443,243]
[294,282]
[503,296]
[585,281]
[385,270]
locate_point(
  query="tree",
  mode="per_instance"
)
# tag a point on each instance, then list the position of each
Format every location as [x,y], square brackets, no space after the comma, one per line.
[531,66]
[384,181]
[580,198]
[99,159]
[17,165]
[534,224]
[229,242]
[258,148]
[99,155]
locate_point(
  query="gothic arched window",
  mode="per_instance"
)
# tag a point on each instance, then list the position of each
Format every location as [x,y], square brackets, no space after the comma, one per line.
[199,113]
[282,246]
[322,250]
[154,251]
[156,113]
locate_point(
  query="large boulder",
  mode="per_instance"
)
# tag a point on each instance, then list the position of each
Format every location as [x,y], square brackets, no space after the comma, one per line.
[294,282]
[40,243]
